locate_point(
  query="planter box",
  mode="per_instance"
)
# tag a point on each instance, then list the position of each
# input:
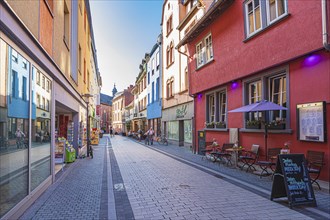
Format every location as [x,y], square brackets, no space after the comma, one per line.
[220,126]
[209,126]
[277,127]
[253,126]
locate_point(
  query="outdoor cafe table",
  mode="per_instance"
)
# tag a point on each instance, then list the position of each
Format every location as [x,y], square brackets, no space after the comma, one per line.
[235,151]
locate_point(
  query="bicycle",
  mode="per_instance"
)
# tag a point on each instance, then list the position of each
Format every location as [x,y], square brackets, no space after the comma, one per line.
[162,140]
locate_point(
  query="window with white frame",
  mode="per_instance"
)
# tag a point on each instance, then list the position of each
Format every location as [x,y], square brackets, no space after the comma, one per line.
[261,13]
[204,51]
[211,100]
[277,94]
[253,11]
[222,102]
[14,55]
[275,9]
[254,95]
[274,89]
[199,54]
[208,48]
[216,107]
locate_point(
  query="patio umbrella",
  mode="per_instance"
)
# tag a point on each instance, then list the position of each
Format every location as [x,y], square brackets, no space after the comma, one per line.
[261,106]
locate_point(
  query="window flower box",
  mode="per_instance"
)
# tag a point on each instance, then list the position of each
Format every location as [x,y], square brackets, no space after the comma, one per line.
[276,125]
[220,124]
[253,124]
[209,124]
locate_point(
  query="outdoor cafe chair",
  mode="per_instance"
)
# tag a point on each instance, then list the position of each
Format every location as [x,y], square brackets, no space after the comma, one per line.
[223,153]
[249,158]
[270,161]
[315,162]
[208,149]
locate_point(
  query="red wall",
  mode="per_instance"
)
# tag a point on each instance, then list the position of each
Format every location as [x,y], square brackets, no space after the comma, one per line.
[307,84]
[293,36]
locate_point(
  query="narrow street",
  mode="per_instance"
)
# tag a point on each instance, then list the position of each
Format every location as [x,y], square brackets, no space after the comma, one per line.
[146,184]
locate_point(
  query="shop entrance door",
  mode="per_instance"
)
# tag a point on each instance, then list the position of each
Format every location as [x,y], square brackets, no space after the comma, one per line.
[181,133]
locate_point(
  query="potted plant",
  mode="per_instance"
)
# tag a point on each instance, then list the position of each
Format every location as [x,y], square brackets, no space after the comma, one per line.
[220,124]
[286,148]
[209,124]
[278,124]
[253,124]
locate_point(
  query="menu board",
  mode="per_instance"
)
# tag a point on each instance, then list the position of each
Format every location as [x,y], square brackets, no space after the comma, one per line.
[291,179]
[311,122]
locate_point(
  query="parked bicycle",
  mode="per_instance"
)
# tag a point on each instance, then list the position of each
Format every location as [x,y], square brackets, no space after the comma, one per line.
[162,140]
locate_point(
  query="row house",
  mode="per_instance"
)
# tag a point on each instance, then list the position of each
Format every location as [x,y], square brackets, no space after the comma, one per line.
[119,103]
[49,79]
[178,106]
[105,111]
[242,52]
[154,88]
[139,93]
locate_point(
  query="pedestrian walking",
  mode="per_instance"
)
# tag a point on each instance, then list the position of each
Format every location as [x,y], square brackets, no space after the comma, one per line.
[151,133]
[111,131]
[140,134]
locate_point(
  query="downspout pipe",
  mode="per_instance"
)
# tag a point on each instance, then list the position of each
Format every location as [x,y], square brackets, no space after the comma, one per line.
[325,33]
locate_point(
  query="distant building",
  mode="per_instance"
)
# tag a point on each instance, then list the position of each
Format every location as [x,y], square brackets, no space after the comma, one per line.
[154,87]
[105,112]
[119,103]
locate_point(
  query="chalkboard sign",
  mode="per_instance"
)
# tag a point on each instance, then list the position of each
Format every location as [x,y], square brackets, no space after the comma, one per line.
[201,141]
[291,179]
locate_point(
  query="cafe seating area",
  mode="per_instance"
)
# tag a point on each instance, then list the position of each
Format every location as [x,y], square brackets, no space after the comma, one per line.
[233,156]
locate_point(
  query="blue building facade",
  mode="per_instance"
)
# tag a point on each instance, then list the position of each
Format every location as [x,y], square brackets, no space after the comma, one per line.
[154,88]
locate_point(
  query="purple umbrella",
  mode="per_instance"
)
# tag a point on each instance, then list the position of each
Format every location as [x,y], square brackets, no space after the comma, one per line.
[261,106]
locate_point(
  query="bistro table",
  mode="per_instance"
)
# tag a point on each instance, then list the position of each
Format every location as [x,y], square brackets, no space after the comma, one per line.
[235,151]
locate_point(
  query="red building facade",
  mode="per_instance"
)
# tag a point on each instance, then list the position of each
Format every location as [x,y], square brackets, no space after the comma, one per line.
[245,51]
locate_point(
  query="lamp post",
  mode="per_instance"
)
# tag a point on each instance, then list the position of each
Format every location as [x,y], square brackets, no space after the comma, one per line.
[86,97]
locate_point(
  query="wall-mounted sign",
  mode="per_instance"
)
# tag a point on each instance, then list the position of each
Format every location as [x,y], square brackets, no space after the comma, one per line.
[311,122]
[181,112]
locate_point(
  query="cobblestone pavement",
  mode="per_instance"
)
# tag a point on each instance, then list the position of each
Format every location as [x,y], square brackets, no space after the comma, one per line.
[239,177]
[81,192]
[160,187]
[127,180]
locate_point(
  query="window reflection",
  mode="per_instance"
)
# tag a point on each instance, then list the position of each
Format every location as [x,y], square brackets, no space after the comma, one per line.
[14,127]
[17,78]
[40,151]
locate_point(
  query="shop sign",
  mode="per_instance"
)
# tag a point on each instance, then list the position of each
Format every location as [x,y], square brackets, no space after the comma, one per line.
[181,112]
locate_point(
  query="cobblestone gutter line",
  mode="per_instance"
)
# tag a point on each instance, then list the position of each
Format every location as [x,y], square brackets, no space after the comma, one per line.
[123,206]
[104,189]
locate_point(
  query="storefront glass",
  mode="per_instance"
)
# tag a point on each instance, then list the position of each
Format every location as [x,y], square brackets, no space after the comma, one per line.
[173,130]
[14,127]
[187,131]
[40,131]
[16,73]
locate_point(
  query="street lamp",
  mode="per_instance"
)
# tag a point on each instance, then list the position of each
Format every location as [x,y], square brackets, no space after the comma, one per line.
[86,98]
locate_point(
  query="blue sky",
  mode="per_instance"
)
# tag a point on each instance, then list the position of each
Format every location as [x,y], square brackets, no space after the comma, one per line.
[124,30]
